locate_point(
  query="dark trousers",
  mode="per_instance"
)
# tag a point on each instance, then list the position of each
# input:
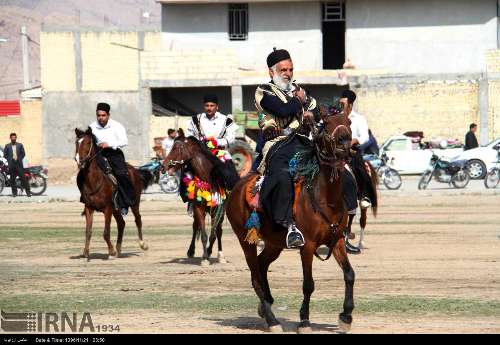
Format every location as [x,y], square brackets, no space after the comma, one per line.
[16,169]
[117,162]
[349,191]
[277,192]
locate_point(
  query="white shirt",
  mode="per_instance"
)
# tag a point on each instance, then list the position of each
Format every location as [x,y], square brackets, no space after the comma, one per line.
[113,133]
[359,127]
[214,127]
[167,144]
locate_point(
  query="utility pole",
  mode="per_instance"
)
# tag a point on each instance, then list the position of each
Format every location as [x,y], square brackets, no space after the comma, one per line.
[26,68]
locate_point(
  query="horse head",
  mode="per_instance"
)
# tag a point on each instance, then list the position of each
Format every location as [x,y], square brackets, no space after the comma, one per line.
[180,154]
[84,147]
[335,139]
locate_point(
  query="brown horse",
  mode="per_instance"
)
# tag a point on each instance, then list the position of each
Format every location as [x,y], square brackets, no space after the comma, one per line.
[96,192]
[208,168]
[320,214]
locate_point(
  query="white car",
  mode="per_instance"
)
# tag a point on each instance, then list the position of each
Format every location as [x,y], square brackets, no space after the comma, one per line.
[481,159]
[408,157]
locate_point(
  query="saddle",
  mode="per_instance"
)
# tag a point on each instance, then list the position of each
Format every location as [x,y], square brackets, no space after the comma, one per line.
[252,197]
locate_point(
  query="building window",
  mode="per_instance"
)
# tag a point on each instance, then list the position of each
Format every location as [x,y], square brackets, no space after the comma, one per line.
[238,22]
[334,11]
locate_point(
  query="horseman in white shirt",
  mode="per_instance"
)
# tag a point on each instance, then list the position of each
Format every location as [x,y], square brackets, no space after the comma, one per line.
[356,183]
[111,137]
[212,124]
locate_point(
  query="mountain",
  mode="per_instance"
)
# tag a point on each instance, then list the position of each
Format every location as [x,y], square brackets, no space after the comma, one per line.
[61,14]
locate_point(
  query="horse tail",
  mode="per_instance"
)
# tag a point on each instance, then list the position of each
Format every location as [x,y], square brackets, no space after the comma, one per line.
[147,178]
[374,182]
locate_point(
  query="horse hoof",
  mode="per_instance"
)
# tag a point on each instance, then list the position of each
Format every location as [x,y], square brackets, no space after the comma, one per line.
[362,245]
[276,329]
[344,327]
[221,258]
[143,245]
[111,257]
[304,330]
[205,263]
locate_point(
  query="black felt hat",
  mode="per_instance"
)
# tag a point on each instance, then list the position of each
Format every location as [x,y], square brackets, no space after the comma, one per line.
[277,56]
[211,98]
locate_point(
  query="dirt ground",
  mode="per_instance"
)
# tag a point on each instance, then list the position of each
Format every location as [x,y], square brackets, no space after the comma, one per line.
[433,266]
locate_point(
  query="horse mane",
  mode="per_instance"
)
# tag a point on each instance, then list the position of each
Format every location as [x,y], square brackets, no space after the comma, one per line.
[222,175]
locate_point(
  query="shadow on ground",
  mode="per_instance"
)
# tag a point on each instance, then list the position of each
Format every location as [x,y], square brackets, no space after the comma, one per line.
[102,256]
[257,323]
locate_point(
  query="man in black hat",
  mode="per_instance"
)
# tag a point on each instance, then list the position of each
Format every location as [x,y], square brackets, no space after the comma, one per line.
[212,124]
[284,105]
[111,137]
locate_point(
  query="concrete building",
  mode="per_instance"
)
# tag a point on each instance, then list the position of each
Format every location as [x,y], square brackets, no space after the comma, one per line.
[417,65]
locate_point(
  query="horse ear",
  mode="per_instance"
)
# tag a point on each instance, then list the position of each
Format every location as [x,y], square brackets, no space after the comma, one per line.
[78,132]
[89,130]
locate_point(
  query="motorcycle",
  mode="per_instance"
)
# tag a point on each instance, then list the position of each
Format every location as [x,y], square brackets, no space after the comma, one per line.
[35,175]
[389,176]
[452,172]
[168,184]
[493,176]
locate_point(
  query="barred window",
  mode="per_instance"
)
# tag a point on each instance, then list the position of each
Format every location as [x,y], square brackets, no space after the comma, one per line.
[238,22]
[334,11]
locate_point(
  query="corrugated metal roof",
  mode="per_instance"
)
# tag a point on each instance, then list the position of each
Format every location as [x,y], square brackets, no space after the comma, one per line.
[10,107]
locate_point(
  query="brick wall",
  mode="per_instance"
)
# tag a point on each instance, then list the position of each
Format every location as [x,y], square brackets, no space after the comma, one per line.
[109,61]
[216,64]
[438,108]
[57,60]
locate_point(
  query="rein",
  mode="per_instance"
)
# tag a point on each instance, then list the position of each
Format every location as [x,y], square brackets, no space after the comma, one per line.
[329,155]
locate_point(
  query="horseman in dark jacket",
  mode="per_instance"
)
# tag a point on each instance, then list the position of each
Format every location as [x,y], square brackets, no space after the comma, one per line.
[285,106]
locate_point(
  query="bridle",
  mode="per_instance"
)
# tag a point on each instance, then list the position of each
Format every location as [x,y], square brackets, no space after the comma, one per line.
[82,162]
[173,163]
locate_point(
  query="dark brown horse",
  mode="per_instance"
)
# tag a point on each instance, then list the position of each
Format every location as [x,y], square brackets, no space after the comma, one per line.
[96,192]
[222,176]
[319,213]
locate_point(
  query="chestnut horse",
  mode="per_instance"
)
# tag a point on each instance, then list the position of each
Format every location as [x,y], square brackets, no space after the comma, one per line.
[319,213]
[190,152]
[96,192]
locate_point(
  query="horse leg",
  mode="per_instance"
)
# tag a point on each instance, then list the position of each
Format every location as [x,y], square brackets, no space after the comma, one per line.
[190,252]
[268,255]
[362,223]
[89,218]
[340,254]
[107,230]
[138,223]
[306,255]
[349,227]
[199,215]
[264,309]
[121,226]
[220,254]
[213,236]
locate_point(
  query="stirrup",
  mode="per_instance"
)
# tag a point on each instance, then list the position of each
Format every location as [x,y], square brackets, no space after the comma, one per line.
[297,237]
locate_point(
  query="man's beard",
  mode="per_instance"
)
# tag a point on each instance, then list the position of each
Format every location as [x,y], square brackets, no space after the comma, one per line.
[282,83]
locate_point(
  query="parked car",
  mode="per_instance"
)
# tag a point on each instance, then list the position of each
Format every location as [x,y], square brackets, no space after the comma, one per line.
[481,159]
[410,156]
